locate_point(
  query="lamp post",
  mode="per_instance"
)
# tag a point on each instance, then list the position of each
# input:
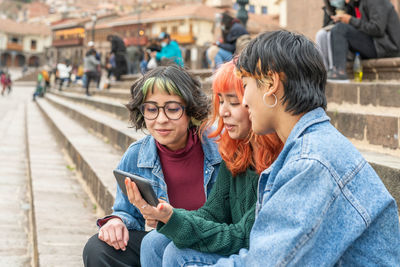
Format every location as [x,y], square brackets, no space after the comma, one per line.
[242,12]
[94,19]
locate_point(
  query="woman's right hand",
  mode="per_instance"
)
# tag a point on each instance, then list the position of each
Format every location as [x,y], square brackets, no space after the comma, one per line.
[115,234]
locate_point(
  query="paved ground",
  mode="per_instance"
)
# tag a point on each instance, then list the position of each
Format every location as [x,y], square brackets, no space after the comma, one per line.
[15,245]
[63,216]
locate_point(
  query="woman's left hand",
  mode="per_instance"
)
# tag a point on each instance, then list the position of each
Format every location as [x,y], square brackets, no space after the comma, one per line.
[162,212]
[344,18]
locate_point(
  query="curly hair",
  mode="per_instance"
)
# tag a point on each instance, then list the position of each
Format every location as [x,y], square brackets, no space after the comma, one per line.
[238,154]
[174,80]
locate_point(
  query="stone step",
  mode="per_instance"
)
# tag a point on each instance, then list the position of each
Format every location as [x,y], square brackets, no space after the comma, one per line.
[375,126]
[102,104]
[63,213]
[120,92]
[94,159]
[112,130]
[388,169]
[385,94]
[378,69]
[120,95]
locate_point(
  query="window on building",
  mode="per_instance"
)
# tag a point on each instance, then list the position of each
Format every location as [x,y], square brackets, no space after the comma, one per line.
[14,40]
[33,44]
[163,29]
[252,9]
[174,30]
[264,10]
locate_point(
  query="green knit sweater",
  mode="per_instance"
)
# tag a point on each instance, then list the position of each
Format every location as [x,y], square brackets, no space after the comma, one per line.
[223,224]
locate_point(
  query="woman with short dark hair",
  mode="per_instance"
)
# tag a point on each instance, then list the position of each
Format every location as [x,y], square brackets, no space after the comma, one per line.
[320,203]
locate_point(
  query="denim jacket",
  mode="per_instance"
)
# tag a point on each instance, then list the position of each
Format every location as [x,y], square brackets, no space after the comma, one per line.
[142,159]
[321,204]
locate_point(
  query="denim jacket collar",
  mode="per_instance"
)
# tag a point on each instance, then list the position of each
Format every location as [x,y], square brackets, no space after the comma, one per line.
[310,118]
[148,152]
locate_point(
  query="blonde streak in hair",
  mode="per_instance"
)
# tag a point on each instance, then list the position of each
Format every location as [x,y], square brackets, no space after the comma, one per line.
[146,85]
[171,88]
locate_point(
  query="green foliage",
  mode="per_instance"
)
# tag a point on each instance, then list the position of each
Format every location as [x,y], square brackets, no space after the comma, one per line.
[70,168]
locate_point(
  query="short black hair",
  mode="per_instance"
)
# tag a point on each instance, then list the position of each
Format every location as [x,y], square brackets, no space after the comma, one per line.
[294,56]
[174,80]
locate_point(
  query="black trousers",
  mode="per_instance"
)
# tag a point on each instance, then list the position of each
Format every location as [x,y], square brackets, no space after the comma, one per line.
[345,37]
[99,254]
[90,75]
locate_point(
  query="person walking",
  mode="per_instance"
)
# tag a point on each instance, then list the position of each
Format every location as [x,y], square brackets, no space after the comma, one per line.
[91,65]
[63,71]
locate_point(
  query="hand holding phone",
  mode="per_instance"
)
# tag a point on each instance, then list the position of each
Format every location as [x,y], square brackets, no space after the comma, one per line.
[144,186]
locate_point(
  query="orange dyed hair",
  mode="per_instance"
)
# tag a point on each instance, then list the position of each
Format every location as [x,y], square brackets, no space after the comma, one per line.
[238,154]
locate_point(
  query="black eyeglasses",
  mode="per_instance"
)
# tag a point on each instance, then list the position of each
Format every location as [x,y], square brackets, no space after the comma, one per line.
[172,110]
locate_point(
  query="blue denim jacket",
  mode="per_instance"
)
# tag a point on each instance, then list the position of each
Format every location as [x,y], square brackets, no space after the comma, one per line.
[321,204]
[142,159]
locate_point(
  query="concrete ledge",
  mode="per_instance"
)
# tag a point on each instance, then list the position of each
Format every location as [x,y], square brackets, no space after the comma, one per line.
[103,193]
[112,107]
[121,95]
[388,169]
[385,94]
[379,69]
[114,131]
[375,129]
[391,178]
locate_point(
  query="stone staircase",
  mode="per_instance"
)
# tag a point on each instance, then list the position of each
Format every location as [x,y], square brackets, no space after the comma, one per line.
[367,113]
[93,132]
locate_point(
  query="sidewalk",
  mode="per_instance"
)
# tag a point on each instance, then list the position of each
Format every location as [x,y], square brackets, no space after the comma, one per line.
[52,229]
[15,244]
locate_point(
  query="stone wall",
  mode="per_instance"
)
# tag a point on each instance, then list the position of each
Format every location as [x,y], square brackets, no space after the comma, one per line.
[305,16]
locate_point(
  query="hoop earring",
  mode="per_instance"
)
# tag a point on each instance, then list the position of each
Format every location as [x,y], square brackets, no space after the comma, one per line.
[273,105]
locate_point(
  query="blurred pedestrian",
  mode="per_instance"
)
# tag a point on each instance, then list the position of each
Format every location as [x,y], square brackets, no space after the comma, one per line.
[119,50]
[92,48]
[6,82]
[134,55]
[63,73]
[90,66]
[170,50]
[39,86]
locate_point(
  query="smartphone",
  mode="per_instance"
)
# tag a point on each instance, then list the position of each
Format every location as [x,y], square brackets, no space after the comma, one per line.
[144,186]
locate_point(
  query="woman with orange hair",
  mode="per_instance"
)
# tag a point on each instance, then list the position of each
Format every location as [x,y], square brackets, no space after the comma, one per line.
[222,226]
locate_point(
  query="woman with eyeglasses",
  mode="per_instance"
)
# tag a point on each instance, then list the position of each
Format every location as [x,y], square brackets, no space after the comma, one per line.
[180,164]
[221,227]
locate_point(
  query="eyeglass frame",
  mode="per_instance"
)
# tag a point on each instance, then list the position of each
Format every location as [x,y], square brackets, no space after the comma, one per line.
[141,108]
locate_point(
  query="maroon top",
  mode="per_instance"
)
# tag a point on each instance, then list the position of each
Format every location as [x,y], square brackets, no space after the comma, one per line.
[184,174]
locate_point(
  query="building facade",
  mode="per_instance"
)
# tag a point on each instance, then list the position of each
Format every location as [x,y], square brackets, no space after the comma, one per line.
[23,44]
